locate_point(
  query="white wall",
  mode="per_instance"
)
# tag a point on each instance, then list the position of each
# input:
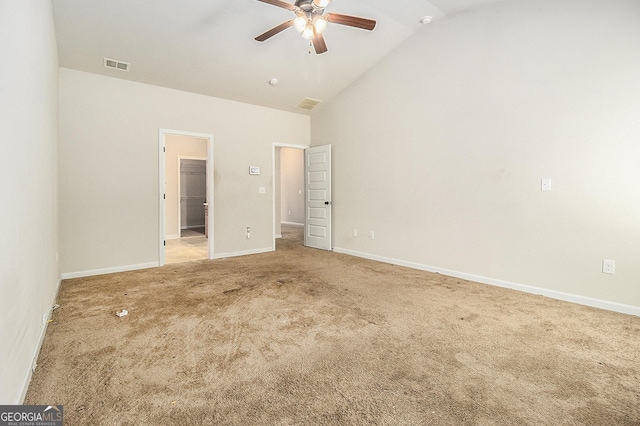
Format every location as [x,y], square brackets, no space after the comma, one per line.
[109,169]
[440,149]
[29,276]
[177,145]
[292,185]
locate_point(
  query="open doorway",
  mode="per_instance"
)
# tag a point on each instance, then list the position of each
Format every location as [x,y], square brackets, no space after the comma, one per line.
[288,211]
[186,208]
[192,196]
[190,243]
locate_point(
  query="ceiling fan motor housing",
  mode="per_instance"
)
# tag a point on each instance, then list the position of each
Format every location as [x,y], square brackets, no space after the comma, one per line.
[308,6]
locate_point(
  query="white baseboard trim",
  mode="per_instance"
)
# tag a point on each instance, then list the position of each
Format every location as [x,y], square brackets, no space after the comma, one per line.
[172,237]
[242,253]
[36,352]
[81,274]
[292,223]
[278,236]
[567,297]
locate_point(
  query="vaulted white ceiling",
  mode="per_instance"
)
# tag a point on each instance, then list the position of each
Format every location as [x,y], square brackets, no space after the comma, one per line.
[208,46]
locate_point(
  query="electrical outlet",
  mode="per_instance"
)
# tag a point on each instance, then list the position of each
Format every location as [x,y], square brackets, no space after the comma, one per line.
[354,232]
[371,235]
[248,232]
[608,266]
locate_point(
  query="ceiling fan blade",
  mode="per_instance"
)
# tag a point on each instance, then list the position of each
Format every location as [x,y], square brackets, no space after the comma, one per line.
[280,3]
[275,30]
[351,21]
[318,43]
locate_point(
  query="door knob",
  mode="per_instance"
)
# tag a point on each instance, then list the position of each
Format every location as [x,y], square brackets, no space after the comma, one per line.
[328,203]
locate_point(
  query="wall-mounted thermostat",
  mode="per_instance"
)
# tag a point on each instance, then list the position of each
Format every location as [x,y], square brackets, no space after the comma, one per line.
[253,170]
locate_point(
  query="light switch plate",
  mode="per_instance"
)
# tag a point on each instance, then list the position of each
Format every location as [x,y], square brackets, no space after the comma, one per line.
[545,184]
[254,170]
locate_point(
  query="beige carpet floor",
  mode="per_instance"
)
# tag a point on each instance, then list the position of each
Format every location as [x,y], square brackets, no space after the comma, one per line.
[301,336]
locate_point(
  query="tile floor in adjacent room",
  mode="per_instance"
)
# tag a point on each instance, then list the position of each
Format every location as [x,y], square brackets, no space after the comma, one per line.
[192,245]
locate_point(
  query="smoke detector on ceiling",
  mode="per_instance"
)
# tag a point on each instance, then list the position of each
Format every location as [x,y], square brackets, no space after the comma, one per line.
[426,20]
[308,104]
[116,65]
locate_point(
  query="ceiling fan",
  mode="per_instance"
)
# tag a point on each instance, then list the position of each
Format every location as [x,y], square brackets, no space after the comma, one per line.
[311,21]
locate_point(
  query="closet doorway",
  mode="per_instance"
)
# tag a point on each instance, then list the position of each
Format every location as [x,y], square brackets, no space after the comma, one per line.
[192,196]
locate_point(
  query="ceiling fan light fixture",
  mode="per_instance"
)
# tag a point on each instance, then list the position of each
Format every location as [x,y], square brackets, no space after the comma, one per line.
[319,24]
[299,23]
[308,31]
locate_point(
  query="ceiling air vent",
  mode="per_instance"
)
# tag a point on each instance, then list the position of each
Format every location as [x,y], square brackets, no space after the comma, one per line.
[308,104]
[116,65]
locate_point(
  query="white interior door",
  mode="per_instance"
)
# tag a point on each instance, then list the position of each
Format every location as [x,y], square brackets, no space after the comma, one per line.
[317,171]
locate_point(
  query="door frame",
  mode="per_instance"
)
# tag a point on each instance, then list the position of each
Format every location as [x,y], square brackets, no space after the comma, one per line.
[273,179]
[162,133]
[186,157]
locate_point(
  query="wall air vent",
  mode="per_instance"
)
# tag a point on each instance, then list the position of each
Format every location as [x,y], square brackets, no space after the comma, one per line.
[116,65]
[308,104]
